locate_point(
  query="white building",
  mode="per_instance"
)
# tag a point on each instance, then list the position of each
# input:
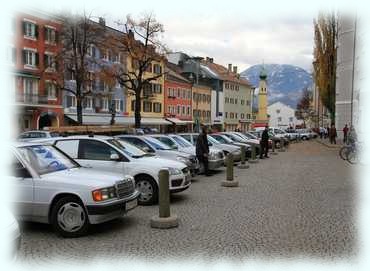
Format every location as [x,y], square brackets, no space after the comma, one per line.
[282,115]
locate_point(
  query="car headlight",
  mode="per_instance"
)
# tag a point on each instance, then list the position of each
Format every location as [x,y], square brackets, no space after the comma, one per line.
[104,194]
[174,171]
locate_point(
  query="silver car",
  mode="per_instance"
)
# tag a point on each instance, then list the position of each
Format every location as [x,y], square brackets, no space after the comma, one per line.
[153,146]
[52,188]
[215,159]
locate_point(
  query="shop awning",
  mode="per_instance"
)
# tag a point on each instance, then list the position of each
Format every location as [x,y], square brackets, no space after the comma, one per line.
[120,120]
[178,121]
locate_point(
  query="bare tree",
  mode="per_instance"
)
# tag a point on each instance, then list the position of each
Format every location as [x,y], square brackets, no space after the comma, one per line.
[78,35]
[304,105]
[140,53]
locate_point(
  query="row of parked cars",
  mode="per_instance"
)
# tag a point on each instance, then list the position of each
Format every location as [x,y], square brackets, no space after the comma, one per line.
[72,182]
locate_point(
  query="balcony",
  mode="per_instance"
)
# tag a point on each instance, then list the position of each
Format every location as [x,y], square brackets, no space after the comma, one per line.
[32,99]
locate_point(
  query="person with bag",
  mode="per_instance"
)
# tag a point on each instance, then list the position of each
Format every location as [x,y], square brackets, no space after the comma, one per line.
[202,150]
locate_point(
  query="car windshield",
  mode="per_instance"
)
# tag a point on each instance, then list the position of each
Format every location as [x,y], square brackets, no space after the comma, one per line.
[212,140]
[167,141]
[222,139]
[252,136]
[158,145]
[46,159]
[128,148]
[181,141]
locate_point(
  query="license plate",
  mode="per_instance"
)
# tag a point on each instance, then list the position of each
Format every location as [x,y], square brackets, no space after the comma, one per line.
[131,204]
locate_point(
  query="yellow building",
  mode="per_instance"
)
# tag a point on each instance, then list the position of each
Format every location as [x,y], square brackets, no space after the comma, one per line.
[262,116]
[152,97]
[201,105]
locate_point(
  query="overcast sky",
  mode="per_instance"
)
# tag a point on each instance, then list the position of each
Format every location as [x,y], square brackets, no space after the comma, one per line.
[243,33]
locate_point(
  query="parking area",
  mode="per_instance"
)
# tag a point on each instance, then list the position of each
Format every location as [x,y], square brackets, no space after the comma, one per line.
[297,203]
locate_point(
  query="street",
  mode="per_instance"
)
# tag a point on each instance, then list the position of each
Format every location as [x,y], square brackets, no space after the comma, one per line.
[297,203]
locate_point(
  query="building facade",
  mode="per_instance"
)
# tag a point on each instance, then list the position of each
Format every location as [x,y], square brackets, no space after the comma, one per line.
[178,101]
[348,74]
[36,72]
[282,116]
[201,104]
[106,95]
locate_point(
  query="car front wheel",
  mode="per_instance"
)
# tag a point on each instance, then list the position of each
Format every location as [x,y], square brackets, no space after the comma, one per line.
[69,217]
[148,190]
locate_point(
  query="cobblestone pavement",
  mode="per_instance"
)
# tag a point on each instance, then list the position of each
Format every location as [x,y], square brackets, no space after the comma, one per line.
[297,203]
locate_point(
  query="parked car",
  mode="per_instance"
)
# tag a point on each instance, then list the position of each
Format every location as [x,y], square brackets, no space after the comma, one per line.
[109,154]
[226,140]
[215,158]
[293,134]
[226,148]
[52,188]
[36,134]
[154,146]
[304,134]
[237,138]
[10,235]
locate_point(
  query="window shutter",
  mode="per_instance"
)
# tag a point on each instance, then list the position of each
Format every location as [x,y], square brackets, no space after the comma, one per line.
[46,61]
[84,102]
[24,28]
[14,55]
[24,54]
[121,105]
[69,101]
[37,59]
[46,33]
[93,103]
[56,36]
[36,31]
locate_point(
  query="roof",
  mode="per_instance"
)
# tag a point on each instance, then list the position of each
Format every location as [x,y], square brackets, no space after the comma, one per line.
[224,74]
[174,72]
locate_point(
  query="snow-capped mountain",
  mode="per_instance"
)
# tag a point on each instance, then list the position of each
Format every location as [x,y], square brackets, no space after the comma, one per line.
[284,82]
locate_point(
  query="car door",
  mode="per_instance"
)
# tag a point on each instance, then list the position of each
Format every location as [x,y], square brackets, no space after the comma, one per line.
[23,184]
[97,155]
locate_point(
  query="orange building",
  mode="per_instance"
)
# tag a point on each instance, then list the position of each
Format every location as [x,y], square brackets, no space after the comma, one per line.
[177,100]
[36,46]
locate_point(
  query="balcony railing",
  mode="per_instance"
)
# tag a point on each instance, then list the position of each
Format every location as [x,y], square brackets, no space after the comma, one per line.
[34,99]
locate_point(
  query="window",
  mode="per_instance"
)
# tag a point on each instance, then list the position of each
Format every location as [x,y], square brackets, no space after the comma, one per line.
[30,58]
[49,61]
[70,147]
[50,35]
[118,105]
[248,116]
[105,104]
[225,114]
[147,106]
[290,119]
[183,110]
[30,89]
[95,150]
[236,101]
[133,105]
[236,115]
[30,30]
[277,111]
[226,100]
[51,91]
[157,68]
[157,107]
[248,102]
[242,102]
[231,100]
[242,115]
[178,110]
[157,88]
[88,103]
[279,119]
[91,51]
[204,98]
[188,110]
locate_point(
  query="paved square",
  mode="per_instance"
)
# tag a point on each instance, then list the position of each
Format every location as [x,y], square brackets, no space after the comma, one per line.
[298,203]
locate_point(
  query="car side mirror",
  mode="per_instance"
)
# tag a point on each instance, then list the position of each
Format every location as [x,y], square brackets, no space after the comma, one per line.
[175,147]
[210,144]
[22,173]
[147,149]
[114,157]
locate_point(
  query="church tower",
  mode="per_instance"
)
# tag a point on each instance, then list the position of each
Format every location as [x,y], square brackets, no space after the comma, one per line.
[262,117]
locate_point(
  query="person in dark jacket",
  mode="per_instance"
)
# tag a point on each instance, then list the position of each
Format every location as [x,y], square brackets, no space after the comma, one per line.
[202,150]
[264,143]
[333,134]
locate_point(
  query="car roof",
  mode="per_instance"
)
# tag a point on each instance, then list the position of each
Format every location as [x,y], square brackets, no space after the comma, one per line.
[100,137]
[18,144]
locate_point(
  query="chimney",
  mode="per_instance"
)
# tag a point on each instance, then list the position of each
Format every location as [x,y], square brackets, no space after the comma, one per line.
[101,21]
[235,69]
[211,59]
[208,59]
[229,67]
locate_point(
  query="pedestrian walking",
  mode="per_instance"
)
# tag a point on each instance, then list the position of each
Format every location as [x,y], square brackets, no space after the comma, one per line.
[202,150]
[264,143]
[333,134]
[345,134]
[322,132]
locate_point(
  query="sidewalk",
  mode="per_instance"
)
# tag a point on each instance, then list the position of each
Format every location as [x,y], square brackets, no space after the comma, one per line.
[326,143]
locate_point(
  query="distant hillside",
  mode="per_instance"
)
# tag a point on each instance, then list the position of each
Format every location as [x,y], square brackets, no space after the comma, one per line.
[285,82]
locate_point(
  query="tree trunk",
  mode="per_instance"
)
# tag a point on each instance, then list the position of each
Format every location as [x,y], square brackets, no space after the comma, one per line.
[138,108]
[79,110]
